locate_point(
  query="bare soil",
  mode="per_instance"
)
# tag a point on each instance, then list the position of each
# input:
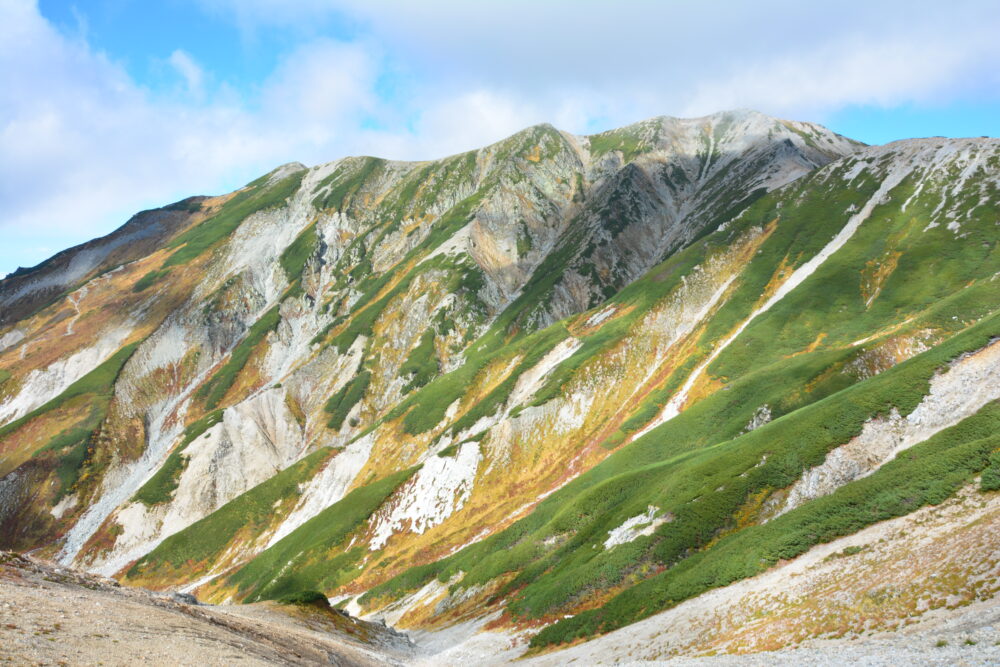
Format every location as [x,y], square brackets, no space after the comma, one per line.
[51,615]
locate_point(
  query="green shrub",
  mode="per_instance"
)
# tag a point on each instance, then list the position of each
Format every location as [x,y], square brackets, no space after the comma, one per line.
[991,476]
[295,256]
[312,557]
[161,486]
[149,280]
[308,598]
[340,404]
[421,364]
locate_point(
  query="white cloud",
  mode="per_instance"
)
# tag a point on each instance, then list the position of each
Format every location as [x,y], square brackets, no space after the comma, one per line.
[190,71]
[82,145]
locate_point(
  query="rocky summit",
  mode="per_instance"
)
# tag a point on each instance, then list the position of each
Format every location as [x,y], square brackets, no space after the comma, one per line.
[692,386]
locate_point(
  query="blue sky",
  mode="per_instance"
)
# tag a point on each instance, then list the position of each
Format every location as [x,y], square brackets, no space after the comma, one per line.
[111,106]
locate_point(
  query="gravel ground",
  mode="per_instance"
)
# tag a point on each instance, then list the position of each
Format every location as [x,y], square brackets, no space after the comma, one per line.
[54,616]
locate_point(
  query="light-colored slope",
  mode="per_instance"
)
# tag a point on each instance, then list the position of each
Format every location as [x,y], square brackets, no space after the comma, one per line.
[56,616]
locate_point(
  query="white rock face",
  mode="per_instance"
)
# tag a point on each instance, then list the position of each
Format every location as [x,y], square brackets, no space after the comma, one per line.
[761,416]
[957,393]
[12,337]
[532,379]
[42,385]
[121,482]
[328,486]
[438,490]
[255,440]
[890,181]
[637,526]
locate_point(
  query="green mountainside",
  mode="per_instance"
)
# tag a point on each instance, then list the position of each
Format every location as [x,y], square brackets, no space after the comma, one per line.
[551,387]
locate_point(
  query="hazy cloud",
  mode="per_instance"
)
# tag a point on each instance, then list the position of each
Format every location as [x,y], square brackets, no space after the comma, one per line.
[189,70]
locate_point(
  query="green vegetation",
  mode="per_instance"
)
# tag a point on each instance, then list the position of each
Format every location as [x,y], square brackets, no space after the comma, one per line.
[311,557]
[74,446]
[524,243]
[704,485]
[626,139]
[340,404]
[256,196]
[991,476]
[161,486]
[295,256]
[213,391]
[149,280]
[426,408]
[345,182]
[421,364]
[367,310]
[98,383]
[929,474]
[450,451]
[205,541]
[308,598]
[822,360]
[710,468]
[929,269]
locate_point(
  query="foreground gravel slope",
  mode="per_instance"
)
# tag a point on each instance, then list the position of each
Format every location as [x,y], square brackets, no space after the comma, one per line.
[54,616]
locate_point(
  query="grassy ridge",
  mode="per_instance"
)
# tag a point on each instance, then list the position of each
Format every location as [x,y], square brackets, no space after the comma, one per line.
[257,196]
[74,445]
[930,473]
[204,541]
[295,256]
[340,404]
[421,365]
[98,382]
[670,467]
[161,486]
[149,280]
[312,556]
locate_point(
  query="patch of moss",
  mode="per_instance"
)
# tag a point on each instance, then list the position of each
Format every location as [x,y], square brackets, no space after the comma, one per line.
[149,280]
[295,256]
[341,403]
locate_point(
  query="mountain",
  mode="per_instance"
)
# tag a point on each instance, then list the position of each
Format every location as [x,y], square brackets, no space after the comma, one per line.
[548,388]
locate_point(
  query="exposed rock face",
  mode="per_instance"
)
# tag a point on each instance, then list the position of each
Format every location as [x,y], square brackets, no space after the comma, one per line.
[547,371]
[961,391]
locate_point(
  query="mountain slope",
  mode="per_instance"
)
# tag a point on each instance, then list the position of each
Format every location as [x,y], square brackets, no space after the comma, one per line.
[561,382]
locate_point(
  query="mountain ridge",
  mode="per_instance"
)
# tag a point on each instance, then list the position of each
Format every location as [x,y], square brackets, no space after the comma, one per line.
[469,374]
